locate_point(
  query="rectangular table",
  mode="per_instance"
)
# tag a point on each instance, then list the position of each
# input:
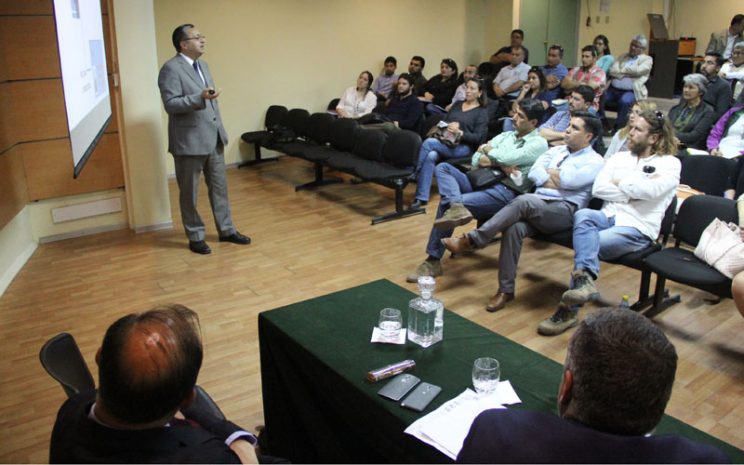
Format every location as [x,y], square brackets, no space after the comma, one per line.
[318,406]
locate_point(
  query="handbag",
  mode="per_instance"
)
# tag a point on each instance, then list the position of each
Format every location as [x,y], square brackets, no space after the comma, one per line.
[483,178]
[721,247]
[450,139]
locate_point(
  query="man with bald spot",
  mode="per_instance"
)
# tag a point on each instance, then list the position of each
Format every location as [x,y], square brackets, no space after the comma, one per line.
[143,411]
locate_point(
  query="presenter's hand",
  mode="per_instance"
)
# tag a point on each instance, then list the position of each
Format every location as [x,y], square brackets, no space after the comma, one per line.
[210,94]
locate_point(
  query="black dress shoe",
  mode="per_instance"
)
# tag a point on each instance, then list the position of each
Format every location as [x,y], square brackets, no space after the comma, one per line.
[236,238]
[417,204]
[200,247]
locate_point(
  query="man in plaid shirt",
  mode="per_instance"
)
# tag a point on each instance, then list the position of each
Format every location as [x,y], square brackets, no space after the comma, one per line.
[588,74]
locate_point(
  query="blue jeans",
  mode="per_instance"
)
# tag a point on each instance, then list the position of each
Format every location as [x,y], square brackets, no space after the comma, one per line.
[454,187]
[625,100]
[433,151]
[596,237]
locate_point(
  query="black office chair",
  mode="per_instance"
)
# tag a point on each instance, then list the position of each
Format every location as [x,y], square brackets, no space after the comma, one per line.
[61,358]
[706,173]
[274,116]
[681,265]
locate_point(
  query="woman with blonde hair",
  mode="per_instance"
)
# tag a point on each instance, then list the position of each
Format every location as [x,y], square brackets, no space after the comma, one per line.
[619,141]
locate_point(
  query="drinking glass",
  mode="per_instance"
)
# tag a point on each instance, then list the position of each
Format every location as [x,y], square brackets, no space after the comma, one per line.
[390,323]
[486,375]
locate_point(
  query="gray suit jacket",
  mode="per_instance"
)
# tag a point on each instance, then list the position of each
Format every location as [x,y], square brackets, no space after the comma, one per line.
[717,43]
[194,123]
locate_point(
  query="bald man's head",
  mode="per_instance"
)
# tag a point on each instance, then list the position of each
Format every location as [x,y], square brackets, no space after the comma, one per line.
[148,363]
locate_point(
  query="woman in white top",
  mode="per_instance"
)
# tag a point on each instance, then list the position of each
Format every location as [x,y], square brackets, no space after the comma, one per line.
[358,101]
[619,142]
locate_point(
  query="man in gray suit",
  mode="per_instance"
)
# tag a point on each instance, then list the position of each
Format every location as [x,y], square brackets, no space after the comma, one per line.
[196,137]
[723,42]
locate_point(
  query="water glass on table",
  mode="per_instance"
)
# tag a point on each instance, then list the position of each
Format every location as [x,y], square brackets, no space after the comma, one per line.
[390,324]
[486,375]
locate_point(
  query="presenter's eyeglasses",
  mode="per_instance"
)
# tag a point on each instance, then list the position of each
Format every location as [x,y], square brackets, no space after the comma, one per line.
[199,37]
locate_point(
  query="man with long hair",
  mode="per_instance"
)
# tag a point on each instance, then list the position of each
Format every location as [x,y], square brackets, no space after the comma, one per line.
[637,186]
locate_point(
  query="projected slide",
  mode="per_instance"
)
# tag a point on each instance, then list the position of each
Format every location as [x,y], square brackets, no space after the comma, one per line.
[83,62]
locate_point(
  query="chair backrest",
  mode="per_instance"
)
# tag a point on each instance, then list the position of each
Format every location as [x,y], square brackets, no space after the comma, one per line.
[297,121]
[333,104]
[274,115]
[697,212]
[401,148]
[668,221]
[369,144]
[706,173]
[62,359]
[319,127]
[343,134]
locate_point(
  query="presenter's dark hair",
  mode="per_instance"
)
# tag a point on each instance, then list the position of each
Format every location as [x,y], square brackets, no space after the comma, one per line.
[179,35]
[532,108]
[591,123]
[586,92]
[139,392]
[623,370]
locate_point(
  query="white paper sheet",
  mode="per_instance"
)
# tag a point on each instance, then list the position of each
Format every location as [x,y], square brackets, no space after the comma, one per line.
[377,336]
[446,427]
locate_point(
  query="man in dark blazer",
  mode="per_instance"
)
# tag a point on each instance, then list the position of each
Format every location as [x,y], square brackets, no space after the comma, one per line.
[617,380]
[196,137]
[148,364]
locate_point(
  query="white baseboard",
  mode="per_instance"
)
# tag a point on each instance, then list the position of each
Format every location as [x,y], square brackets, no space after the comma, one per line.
[16,266]
[154,227]
[81,233]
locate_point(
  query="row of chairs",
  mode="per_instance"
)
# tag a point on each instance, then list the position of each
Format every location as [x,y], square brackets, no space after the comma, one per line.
[386,158]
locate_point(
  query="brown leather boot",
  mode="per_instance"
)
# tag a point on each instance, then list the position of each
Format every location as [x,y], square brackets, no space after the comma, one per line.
[458,244]
[499,301]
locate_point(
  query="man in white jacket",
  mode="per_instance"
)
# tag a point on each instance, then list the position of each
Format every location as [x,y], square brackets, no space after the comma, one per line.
[629,75]
[637,186]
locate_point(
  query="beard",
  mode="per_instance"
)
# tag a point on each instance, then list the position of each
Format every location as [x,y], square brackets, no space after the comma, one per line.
[638,148]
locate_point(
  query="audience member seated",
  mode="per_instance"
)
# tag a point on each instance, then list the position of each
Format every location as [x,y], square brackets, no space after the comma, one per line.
[469,73]
[726,139]
[588,74]
[440,89]
[733,71]
[617,381]
[723,42]
[605,58]
[629,75]
[718,93]
[467,122]
[403,109]
[512,77]
[503,56]
[691,117]
[534,88]
[511,152]
[619,142]
[386,81]
[564,176]
[415,69]
[147,369]
[637,187]
[358,101]
[554,71]
[554,129]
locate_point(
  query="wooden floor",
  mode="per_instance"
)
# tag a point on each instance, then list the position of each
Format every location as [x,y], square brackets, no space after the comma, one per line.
[307,244]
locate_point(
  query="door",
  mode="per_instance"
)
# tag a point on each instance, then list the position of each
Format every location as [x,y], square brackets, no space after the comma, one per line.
[548,22]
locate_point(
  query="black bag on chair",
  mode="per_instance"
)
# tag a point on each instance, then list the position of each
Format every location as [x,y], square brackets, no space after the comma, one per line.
[483,178]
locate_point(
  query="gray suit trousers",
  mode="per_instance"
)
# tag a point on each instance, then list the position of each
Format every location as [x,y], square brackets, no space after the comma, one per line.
[188,173]
[523,217]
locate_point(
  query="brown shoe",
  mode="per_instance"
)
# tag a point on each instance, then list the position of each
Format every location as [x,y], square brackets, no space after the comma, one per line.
[458,244]
[498,301]
[456,215]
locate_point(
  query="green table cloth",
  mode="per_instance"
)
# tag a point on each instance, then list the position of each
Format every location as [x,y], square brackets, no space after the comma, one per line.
[319,407]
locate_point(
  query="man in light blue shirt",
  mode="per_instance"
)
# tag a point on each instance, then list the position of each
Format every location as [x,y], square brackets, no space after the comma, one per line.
[565,175]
